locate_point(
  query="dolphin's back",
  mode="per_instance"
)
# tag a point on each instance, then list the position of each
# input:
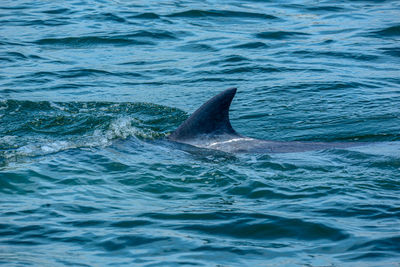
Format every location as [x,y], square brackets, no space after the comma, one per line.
[209,127]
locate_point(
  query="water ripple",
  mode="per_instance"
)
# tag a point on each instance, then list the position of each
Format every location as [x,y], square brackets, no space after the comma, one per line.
[254,226]
[280,35]
[388,32]
[220,13]
[89,41]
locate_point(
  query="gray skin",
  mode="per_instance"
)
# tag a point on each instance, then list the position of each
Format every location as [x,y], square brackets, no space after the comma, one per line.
[209,127]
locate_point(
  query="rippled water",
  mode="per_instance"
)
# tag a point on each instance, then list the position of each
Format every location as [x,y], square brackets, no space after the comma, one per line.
[89,89]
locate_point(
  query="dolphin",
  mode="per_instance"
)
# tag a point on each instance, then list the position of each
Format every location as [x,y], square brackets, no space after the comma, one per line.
[209,127]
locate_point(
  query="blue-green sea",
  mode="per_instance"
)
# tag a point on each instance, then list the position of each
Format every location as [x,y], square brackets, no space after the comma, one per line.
[90,89]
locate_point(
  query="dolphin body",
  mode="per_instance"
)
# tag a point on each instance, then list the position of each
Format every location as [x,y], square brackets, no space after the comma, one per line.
[209,127]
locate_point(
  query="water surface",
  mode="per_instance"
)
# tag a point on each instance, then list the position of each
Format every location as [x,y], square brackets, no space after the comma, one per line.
[89,89]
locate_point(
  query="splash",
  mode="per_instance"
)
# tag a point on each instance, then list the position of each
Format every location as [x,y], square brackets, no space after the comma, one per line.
[41,128]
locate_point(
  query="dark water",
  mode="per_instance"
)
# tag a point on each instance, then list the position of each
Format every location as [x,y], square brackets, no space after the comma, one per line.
[89,89]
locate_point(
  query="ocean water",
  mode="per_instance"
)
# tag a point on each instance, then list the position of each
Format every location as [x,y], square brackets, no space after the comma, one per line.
[90,89]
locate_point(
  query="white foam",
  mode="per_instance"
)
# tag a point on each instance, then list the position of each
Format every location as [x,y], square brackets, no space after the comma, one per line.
[120,128]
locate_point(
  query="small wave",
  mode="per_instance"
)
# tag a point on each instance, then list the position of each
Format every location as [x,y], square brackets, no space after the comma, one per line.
[251,69]
[153,35]
[227,61]
[194,13]
[392,51]
[6,43]
[374,212]
[137,38]
[235,58]
[17,56]
[146,15]
[251,226]
[388,32]
[107,17]
[90,41]
[47,22]
[336,54]
[251,45]
[280,35]
[326,8]
[57,11]
[127,241]
[196,48]
[74,73]
[130,223]
[375,248]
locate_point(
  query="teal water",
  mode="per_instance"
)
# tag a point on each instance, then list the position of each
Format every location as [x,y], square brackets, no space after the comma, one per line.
[89,89]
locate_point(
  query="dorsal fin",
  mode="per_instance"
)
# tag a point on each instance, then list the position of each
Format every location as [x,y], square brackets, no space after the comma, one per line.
[211,118]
